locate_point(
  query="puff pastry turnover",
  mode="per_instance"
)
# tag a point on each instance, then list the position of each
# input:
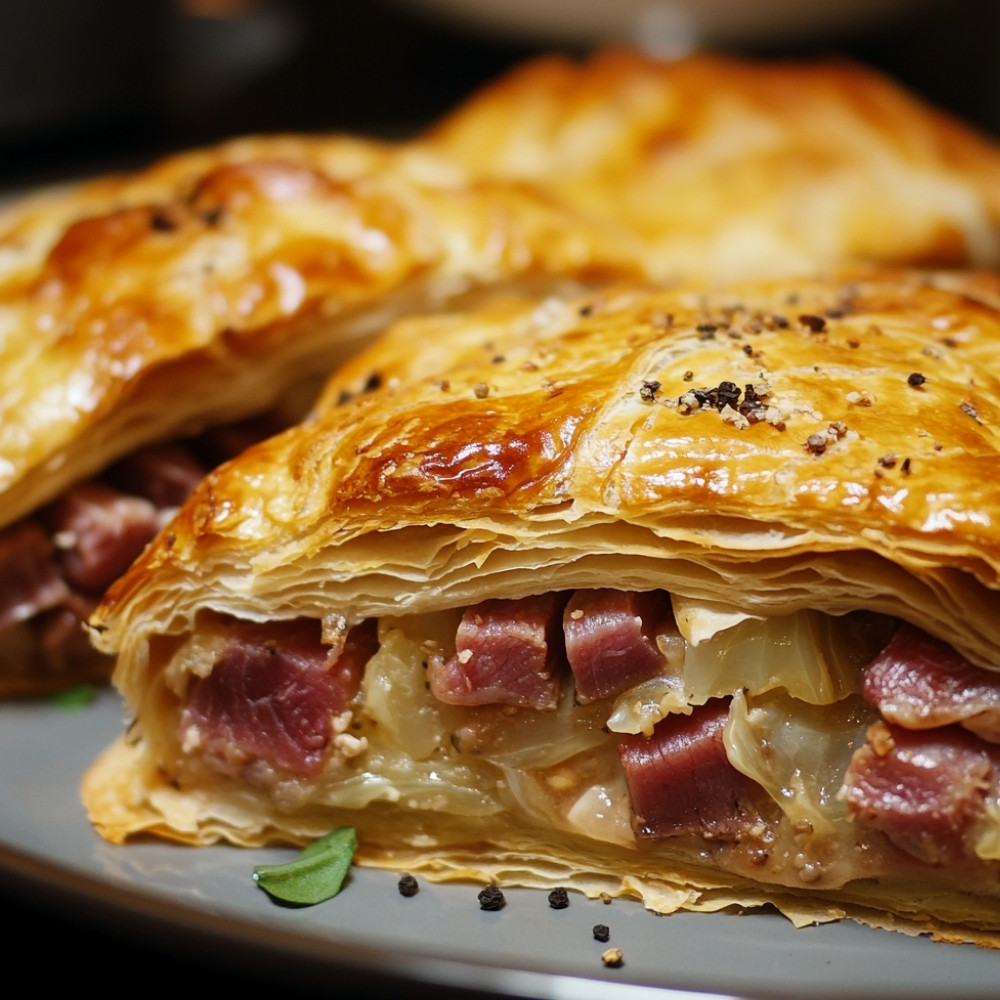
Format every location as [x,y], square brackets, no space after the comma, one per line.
[689,594]
[215,287]
[739,167]
[139,309]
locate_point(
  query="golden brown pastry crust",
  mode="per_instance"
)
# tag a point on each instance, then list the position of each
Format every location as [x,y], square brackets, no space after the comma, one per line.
[125,289]
[145,306]
[571,443]
[741,167]
[879,424]
[226,282]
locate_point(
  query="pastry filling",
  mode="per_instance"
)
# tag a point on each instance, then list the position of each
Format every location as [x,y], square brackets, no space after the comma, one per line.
[805,749]
[57,563]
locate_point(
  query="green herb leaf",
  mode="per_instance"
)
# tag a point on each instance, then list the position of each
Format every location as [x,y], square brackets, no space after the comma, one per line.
[74,697]
[317,874]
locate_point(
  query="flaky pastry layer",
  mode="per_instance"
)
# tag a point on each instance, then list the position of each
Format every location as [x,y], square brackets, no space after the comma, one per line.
[278,253]
[562,441]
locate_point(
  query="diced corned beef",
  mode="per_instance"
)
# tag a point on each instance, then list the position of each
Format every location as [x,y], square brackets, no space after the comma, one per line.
[923,790]
[164,474]
[508,652]
[60,630]
[272,695]
[920,682]
[55,565]
[680,780]
[219,444]
[611,639]
[99,531]
[30,581]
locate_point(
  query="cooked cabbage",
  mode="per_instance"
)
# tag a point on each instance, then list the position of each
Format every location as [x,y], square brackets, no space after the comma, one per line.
[813,656]
[701,620]
[447,785]
[795,720]
[639,709]
[987,835]
[797,752]
[586,794]
[397,698]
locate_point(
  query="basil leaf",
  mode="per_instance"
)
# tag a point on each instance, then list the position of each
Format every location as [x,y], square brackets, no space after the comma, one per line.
[317,874]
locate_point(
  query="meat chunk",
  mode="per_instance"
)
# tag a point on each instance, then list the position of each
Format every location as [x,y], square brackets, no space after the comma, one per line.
[269,703]
[59,629]
[30,581]
[920,682]
[611,639]
[165,474]
[55,565]
[924,790]
[508,652]
[99,531]
[680,780]
[219,444]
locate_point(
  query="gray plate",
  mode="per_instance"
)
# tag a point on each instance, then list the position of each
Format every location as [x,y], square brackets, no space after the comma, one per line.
[201,901]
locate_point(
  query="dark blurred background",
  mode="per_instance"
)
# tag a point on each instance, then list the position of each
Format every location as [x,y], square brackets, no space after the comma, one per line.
[87,85]
[94,85]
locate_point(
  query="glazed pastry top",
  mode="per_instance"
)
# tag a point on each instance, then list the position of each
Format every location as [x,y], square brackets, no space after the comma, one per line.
[773,445]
